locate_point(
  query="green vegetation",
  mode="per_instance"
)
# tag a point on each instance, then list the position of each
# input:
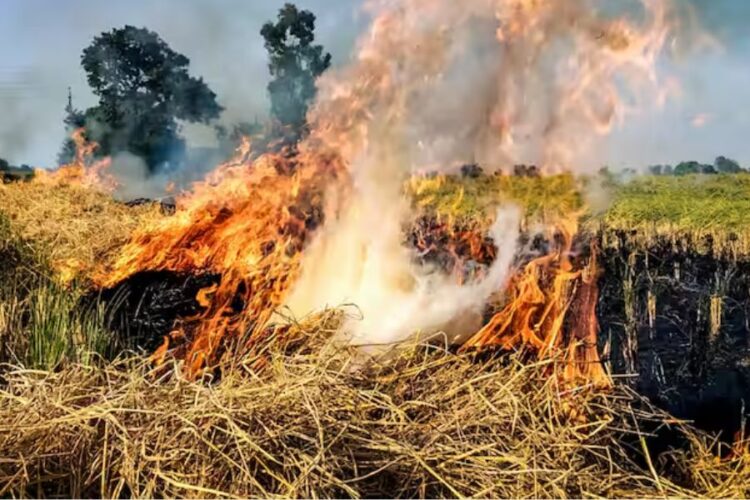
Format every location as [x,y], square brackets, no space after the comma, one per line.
[694,205]
[144,88]
[294,63]
[542,197]
[717,203]
[45,326]
[42,323]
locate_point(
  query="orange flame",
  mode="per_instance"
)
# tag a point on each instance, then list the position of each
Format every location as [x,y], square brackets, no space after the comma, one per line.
[543,296]
[247,223]
[83,171]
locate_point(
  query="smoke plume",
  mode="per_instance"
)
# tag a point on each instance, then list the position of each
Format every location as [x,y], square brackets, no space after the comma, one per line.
[437,83]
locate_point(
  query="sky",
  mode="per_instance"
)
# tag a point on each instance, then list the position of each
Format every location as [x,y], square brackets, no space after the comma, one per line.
[41,42]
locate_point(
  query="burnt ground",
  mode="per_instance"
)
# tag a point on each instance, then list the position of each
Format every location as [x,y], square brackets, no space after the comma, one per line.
[679,322]
[144,307]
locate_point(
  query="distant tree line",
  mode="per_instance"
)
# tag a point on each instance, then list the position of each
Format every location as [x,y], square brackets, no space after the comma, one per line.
[722,165]
[10,173]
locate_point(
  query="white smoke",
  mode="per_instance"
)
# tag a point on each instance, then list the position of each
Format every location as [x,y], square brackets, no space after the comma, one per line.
[438,83]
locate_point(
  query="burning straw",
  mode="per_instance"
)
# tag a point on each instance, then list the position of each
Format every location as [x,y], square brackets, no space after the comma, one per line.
[70,216]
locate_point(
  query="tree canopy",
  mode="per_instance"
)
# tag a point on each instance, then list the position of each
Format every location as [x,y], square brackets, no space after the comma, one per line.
[726,166]
[294,63]
[143,87]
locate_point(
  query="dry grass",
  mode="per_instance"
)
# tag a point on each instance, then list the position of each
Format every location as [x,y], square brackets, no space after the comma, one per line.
[424,424]
[75,227]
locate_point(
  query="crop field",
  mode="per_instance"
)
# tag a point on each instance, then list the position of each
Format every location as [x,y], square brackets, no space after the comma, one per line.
[374,249]
[84,412]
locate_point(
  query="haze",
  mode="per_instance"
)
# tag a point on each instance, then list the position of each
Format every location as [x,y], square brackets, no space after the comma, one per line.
[41,42]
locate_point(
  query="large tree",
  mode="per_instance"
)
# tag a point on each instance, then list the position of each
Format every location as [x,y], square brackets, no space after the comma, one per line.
[294,62]
[143,87]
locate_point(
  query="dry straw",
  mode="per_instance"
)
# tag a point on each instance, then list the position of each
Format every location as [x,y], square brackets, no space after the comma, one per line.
[76,227]
[318,421]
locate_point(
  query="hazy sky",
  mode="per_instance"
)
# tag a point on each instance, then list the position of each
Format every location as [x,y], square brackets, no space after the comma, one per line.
[41,42]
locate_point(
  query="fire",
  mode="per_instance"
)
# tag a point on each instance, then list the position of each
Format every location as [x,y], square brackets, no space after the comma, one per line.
[546,296]
[84,170]
[248,223]
[433,83]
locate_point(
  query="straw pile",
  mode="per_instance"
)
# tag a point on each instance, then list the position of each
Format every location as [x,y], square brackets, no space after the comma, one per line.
[73,226]
[318,422]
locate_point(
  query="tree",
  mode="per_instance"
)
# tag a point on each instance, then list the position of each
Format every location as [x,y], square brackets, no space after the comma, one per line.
[726,166]
[707,169]
[143,88]
[4,164]
[294,63]
[74,119]
[693,167]
[656,169]
[687,167]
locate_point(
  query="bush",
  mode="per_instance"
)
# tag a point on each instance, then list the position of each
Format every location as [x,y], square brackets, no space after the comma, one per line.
[472,171]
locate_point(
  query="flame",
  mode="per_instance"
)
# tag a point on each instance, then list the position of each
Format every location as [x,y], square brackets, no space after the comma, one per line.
[434,82]
[247,222]
[545,295]
[83,171]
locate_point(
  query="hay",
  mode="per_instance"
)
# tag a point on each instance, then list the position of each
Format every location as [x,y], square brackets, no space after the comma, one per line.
[19,263]
[74,227]
[425,424]
[309,424]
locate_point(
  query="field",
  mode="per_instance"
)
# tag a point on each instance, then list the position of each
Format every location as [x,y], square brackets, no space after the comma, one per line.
[83,412]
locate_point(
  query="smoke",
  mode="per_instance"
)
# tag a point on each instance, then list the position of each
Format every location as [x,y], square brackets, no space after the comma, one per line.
[134,180]
[13,138]
[43,41]
[360,260]
[23,93]
[436,83]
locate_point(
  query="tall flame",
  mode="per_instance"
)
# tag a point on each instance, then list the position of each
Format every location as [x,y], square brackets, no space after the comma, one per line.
[248,222]
[434,83]
[545,297]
